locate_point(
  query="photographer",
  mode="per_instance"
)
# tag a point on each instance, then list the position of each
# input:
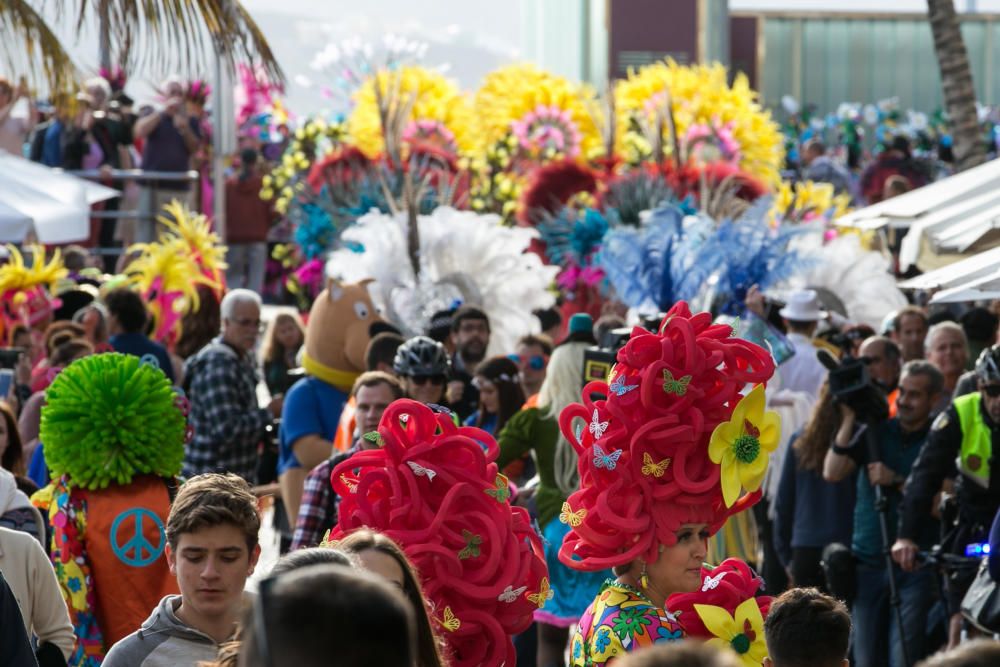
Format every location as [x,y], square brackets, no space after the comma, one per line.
[960,447]
[897,442]
[172,137]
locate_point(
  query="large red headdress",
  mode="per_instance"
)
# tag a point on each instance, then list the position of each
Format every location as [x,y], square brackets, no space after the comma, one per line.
[674,442]
[434,488]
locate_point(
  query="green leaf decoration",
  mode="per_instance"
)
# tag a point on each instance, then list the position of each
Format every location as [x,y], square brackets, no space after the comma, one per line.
[109,417]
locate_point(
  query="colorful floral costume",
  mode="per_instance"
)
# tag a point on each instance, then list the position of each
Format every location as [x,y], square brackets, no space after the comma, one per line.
[675,438]
[621,620]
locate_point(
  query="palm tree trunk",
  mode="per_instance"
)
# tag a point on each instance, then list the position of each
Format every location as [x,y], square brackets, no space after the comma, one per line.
[956,81]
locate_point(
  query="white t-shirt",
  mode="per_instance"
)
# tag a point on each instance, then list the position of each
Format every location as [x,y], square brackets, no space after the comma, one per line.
[803,372]
[14,129]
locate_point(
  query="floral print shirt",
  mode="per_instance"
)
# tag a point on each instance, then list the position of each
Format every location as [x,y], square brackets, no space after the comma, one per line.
[621,620]
[68,517]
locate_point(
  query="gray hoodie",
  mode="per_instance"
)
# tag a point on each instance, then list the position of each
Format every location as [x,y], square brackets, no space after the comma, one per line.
[163,641]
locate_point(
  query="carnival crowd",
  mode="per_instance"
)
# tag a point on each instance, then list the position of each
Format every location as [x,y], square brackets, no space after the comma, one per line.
[627,503]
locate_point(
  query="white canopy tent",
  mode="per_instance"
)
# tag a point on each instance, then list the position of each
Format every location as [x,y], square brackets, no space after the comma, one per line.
[53,204]
[944,219]
[973,279]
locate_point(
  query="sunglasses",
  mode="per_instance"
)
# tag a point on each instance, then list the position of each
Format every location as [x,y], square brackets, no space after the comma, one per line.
[421,380]
[535,362]
[991,390]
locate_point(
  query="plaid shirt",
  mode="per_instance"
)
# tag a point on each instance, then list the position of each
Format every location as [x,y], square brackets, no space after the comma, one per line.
[318,511]
[228,424]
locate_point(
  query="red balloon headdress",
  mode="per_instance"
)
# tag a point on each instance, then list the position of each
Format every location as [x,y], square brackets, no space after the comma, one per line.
[434,488]
[674,442]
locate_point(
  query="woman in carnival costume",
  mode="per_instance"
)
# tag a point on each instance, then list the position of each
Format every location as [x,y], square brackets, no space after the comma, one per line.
[434,488]
[663,464]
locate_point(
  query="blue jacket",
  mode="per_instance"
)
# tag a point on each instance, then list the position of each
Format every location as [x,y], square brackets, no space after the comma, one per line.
[809,511]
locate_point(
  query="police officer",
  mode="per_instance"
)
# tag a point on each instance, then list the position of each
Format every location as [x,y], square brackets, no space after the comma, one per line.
[960,447]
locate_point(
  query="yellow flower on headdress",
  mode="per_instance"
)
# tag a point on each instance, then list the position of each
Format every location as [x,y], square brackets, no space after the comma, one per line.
[742,444]
[542,111]
[742,633]
[440,112]
[702,101]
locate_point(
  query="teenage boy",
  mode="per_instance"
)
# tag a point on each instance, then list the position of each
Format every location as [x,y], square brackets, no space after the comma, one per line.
[211,548]
[806,628]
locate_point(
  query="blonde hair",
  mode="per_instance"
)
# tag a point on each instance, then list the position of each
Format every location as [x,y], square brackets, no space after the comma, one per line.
[562,386]
[272,350]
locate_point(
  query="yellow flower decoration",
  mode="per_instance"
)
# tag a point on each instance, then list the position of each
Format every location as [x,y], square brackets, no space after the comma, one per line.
[701,96]
[537,108]
[742,444]
[742,633]
[438,107]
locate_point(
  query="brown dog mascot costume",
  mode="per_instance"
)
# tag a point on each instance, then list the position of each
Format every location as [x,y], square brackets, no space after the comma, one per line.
[341,323]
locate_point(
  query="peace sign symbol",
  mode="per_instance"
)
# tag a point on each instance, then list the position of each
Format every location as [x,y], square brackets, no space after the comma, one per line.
[150,360]
[137,544]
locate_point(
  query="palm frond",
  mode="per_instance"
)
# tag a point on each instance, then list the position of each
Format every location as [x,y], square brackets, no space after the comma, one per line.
[27,44]
[181,33]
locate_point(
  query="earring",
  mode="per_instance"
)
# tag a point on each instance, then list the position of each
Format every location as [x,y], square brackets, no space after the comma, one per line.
[644,578]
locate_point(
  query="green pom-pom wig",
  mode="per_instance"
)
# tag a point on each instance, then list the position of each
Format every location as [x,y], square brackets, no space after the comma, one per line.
[109,417]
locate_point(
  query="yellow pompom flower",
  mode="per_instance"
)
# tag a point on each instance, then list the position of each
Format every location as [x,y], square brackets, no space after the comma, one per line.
[536,114]
[703,102]
[741,445]
[440,113]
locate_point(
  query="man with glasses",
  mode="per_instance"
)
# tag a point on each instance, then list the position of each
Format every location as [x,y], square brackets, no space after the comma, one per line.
[884,361]
[532,358]
[960,448]
[221,384]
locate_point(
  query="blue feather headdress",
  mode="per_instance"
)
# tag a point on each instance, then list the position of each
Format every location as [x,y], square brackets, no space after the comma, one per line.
[696,259]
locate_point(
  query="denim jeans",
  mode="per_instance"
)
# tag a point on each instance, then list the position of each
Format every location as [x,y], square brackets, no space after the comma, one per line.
[876,639]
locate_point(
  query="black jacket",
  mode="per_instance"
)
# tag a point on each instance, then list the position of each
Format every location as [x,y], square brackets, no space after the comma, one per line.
[15,649]
[937,462]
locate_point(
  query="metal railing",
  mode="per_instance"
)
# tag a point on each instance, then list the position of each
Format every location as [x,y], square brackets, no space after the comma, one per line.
[150,179]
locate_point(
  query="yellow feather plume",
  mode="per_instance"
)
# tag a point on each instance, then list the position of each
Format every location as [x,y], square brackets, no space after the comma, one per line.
[16,276]
[203,245]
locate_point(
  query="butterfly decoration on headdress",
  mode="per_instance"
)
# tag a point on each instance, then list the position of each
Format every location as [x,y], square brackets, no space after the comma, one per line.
[650,467]
[597,427]
[677,386]
[619,387]
[543,595]
[501,492]
[421,471]
[450,622]
[472,544]
[350,482]
[605,460]
[568,516]
[511,594]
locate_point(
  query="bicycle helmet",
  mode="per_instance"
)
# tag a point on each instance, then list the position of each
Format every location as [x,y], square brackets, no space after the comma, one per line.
[421,356]
[988,364]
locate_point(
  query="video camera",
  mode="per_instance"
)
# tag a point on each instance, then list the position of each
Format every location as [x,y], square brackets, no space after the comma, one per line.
[851,385]
[599,359]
